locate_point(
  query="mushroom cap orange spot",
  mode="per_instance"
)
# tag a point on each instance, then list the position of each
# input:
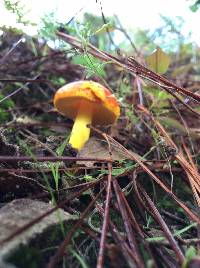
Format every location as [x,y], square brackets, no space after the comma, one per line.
[68,98]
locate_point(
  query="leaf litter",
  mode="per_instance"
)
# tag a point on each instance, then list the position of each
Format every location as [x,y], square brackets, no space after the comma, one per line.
[147,188]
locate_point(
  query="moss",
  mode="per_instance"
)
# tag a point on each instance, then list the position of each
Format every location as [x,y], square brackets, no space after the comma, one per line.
[4,109]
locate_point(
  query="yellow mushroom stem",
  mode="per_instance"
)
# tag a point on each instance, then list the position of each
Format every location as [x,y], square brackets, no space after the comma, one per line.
[80,132]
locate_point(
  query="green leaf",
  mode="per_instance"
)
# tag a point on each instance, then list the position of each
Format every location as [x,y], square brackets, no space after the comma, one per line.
[158,61]
[190,252]
[108,27]
[80,259]
[189,255]
[93,65]
[195,6]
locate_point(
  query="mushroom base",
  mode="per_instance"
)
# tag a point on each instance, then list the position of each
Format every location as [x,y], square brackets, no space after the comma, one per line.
[80,132]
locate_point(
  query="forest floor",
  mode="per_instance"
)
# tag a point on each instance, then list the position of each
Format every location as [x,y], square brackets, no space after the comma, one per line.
[129,198]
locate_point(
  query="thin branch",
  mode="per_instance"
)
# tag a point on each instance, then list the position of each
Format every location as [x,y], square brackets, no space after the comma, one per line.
[155,213]
[63,247]
[100,259]
[51,159]
[130,65]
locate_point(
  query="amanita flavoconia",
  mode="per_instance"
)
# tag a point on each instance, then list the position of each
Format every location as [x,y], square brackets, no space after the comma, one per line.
[86,102]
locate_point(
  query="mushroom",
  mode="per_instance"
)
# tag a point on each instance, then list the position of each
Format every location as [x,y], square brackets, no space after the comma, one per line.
[86,102]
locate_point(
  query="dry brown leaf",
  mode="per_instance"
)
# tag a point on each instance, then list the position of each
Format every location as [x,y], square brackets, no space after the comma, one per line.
[98,148]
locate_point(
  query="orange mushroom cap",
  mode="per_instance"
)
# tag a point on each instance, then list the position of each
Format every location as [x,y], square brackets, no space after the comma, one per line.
[86,102]
[105,109]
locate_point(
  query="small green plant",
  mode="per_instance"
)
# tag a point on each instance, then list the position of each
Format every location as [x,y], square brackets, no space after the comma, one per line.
[191,252]
[79,258]
[16,7]
[175,234]
[4,109]
[93,65]
[49,26]
[55,166]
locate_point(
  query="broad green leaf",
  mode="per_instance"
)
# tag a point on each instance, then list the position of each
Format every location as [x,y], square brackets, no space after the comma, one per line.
[158,61]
